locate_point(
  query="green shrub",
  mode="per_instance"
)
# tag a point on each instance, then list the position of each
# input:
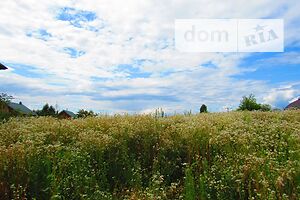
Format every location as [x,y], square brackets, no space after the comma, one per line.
[249,103]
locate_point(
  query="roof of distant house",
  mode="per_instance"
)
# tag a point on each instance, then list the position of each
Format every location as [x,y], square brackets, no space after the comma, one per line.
[21,108]
[71,114]
[2,67]
[295,104]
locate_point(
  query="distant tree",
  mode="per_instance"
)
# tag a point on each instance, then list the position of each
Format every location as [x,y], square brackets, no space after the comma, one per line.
[5,98]
[249,103]
[84,113]
[52,111]
[203,108]
[265,107]
[47,111]
[276,110]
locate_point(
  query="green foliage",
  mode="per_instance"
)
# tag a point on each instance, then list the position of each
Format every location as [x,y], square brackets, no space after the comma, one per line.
[265,107]
[189,186]
[203,108]
[249,103]
[84,113]
[4,116]
[5,98]
[47,111]
[237,155]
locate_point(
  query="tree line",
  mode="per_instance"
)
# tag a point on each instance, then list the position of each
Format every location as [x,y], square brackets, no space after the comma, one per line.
[248,103]
[49,110]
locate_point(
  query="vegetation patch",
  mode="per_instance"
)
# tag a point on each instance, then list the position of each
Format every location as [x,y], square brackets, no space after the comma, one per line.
[236,155]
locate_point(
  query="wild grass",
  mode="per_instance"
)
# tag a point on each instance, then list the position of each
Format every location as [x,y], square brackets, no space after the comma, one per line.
[238,155]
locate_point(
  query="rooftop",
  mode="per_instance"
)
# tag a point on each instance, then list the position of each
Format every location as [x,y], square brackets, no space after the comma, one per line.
[2,67]
[71,114]
[295,104]
[21,108]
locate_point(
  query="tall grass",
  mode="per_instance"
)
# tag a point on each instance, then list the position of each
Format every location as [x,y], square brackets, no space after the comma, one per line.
[239,155]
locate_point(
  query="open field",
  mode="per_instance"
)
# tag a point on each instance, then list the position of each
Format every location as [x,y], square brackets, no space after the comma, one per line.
[238,155]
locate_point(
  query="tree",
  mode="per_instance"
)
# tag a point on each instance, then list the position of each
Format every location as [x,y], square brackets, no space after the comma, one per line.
[47,111]
[5,98]
[249,103]
[203,108]
[84,113]
[265,107]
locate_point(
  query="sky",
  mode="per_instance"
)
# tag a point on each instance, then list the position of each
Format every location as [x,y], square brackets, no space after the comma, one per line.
[114,56]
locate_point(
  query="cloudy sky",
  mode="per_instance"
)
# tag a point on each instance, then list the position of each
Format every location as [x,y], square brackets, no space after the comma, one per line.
[119,56]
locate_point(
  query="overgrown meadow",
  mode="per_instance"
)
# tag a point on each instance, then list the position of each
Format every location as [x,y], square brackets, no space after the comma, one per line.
[237,155]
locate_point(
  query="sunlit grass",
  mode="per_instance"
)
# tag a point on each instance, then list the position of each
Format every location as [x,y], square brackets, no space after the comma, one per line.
[238,155]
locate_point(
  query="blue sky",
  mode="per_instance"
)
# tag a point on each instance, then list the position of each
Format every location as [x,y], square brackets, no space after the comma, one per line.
[119,56]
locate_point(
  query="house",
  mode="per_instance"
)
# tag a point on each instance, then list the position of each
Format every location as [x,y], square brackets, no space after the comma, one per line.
[65,114]
[2,67]
[293,105]
[17,108]
[20,108]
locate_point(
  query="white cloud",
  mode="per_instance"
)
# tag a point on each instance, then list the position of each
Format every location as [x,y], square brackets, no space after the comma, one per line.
[133,30]
[281,96]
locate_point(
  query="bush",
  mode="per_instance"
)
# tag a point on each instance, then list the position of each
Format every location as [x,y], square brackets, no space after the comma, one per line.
[249,103]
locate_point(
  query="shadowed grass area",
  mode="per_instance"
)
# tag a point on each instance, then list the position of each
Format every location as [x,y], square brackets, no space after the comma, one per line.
[238,155]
